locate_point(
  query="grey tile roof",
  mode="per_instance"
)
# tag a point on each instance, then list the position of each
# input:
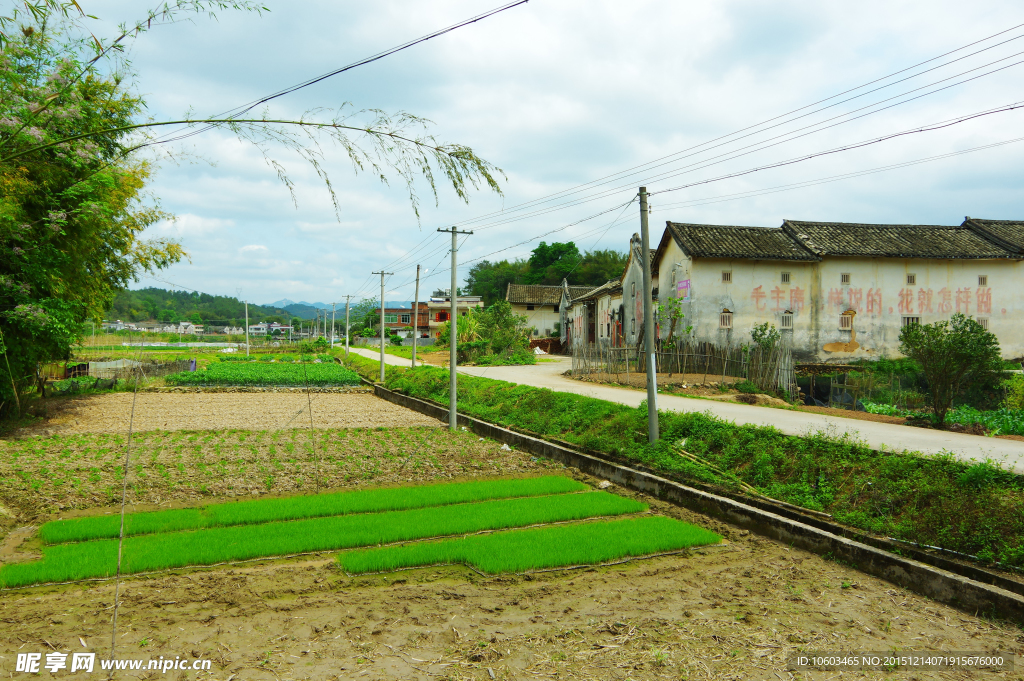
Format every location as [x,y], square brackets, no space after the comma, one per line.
[1007,233]
[724,241]
[540,294]
[893,241]
[608,288]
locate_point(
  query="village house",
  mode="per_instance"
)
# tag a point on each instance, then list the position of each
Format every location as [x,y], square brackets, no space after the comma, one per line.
[400,316]
[540,303]
[439,310]
[840,291]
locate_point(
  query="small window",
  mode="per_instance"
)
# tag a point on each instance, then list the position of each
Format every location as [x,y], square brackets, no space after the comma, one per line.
[406,319]
[787,320]
[911,280]
[727,277]
[844,278]
[907,321]
[633,326]
[984,322]
[785,277]
[983,280]
[632,290]
[725,320]
[529,307]
[608,333]
[845,322]
[390,319]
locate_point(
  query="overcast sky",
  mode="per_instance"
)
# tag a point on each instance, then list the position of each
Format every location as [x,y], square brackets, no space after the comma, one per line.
[558,93]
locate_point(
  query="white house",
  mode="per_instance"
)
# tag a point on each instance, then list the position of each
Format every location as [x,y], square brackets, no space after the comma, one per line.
[540,304]
[842,291]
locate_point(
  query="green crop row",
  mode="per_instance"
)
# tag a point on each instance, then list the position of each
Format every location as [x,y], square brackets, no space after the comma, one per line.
[536,548]
[260,373]
[83,560]
[309,506]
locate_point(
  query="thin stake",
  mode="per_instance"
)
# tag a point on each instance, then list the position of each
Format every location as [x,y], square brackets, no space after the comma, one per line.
[312,433]
[124,496]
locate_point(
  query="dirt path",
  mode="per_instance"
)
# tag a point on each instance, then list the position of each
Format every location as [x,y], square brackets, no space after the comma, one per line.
[216,410]
[736,612]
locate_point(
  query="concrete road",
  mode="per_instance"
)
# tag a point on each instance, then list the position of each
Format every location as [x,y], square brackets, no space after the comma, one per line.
[886,436]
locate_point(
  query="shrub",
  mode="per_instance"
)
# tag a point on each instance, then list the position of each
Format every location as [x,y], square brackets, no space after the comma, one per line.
[1014,393]
[746,387]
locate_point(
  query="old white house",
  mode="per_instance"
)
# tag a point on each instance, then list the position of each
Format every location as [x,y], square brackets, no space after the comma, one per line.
[540,304]
[839,290]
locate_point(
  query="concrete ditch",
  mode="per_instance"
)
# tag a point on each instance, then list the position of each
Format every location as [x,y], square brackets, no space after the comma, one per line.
[973,590]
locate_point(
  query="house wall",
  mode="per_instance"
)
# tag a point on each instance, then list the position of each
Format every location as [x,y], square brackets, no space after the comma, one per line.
[632,295]
[609,322]
[877,295]
[542,317]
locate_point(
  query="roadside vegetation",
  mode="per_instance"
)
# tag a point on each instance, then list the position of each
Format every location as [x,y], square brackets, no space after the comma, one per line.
[266,373]
[974,508]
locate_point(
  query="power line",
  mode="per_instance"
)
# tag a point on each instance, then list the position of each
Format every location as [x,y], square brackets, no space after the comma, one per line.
[244,108]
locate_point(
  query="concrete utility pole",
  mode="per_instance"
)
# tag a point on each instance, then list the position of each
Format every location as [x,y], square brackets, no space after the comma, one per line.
[334,310]
[382,323]
[416,317]
[247,328]
[453,415]
[346,325]
[649,345]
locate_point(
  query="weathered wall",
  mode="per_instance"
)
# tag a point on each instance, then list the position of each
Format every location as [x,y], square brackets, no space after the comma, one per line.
[632,294]
[609,324]
[877,295]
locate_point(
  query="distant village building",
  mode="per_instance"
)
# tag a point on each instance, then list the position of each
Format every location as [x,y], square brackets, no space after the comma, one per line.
[439,310]
[401,317]
[840,291]
[540,304]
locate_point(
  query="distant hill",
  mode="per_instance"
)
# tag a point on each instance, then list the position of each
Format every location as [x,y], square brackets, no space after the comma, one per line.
[156,303]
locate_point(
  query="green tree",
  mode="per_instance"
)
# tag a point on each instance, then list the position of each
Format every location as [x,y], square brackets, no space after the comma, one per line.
[490,280]
[954,355]
[196,318]
[550,264]
[598,267]
[506,331]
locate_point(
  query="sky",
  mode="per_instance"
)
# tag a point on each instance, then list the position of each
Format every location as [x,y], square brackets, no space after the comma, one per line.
[561,93]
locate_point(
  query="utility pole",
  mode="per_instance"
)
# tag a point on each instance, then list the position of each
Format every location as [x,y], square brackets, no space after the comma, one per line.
[334,310]
[247,328]
[416,317]
[346,325]
[649,345]
[453,416]
[382,323]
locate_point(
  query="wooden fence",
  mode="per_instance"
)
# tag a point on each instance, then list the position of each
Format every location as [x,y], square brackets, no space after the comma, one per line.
[769,369]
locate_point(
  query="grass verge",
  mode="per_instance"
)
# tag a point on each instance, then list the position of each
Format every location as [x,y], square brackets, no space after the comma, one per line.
[83,560]
[975,508]
[537,548]
[300,507]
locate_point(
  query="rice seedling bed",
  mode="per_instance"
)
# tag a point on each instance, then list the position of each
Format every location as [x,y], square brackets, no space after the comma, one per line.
[98,558]
[265,373]
[300,507]
[537,548]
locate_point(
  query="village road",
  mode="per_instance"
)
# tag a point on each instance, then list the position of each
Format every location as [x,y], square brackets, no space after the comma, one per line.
[890,436]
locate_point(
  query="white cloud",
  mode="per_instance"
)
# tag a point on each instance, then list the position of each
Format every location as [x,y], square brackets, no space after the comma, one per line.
[253,248]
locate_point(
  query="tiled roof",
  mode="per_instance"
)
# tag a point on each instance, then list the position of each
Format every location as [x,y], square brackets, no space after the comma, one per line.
[893,241]
[540,294]
[1006,233]
[722,241]
[609,287]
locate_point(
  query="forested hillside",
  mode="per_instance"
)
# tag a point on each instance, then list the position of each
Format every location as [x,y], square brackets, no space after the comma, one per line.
[172,306]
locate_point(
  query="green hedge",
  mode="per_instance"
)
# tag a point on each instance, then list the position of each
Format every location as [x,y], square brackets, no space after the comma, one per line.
[975,508]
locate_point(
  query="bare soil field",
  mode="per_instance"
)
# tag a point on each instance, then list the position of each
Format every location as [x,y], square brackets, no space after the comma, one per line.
[738,611]
[109,413]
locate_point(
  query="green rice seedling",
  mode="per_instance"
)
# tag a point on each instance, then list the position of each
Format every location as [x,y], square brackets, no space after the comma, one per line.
[82,560]
[298,507]
[536,548]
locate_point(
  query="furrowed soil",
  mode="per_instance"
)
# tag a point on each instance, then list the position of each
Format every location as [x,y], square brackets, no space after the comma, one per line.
[737,611]
[109,413]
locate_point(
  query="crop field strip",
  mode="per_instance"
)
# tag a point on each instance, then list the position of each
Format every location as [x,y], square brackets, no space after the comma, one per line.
[98,558]
[266,374]
[301,507]
[572,544]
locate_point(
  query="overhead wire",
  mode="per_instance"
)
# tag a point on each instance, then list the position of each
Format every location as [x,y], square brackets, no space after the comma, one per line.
[602,180]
